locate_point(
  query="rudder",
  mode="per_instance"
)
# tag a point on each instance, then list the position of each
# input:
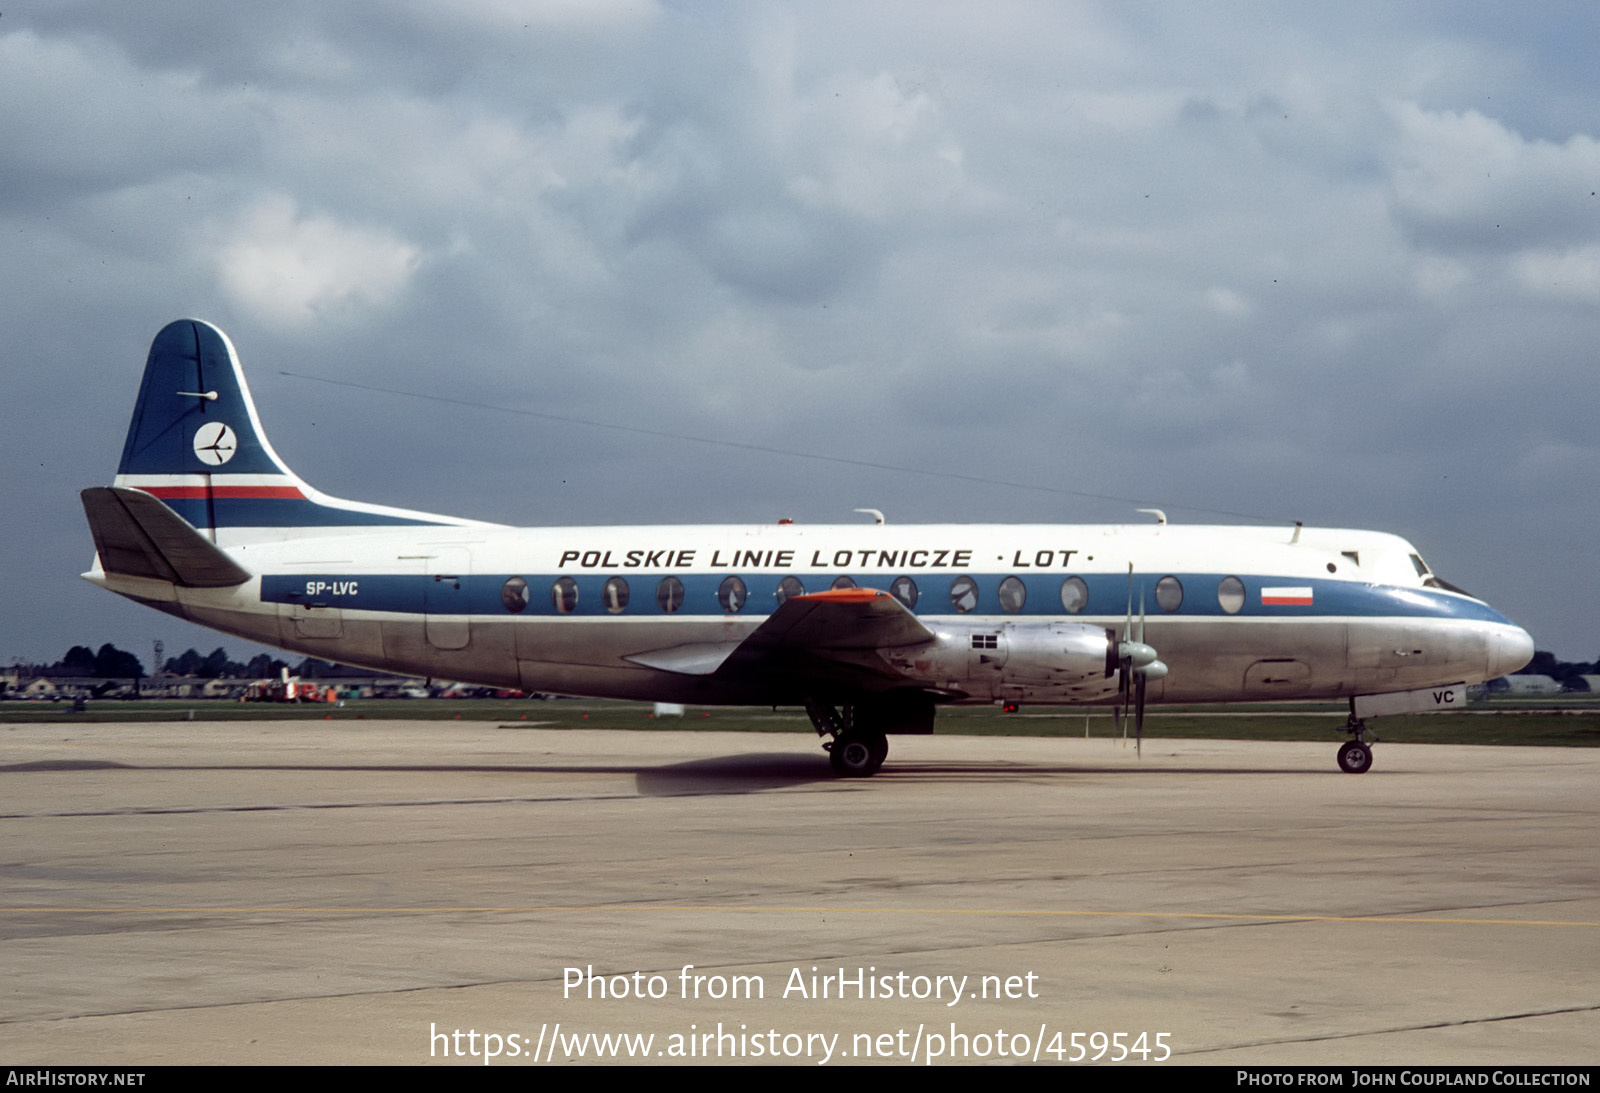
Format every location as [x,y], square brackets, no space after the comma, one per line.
[196,443]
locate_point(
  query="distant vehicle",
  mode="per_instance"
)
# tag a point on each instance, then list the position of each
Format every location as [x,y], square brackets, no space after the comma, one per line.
[870,628]
[286,688]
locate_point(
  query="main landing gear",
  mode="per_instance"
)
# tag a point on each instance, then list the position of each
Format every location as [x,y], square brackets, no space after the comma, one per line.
[858,747]
[858,755]
[1355,756]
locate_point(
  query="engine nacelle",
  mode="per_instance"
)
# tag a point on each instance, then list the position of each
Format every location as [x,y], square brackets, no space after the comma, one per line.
[1037,661]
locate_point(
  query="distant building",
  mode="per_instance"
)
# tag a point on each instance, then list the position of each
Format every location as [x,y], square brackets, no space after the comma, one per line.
[1529,685]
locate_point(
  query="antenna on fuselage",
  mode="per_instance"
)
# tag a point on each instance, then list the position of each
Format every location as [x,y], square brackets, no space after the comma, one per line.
[877,517]
[1295,538]
[1161,517]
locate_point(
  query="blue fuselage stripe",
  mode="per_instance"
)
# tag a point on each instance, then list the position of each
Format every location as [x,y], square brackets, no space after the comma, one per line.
[481,594]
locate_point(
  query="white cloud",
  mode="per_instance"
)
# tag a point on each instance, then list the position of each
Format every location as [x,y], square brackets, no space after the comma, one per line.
[500,16]
[1461,178]
[1225,301]
[290,270]
[1569,274]
[1112,248]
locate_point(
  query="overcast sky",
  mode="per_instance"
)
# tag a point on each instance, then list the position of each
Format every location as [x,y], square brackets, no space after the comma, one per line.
[1338,264]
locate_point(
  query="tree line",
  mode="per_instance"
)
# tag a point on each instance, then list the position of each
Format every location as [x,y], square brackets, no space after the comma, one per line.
[109,662]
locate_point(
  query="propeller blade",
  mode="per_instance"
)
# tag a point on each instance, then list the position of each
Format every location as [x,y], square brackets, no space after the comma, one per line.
[1125,694]
[1138,719]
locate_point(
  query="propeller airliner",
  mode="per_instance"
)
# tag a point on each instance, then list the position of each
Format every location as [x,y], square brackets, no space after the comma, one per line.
[871,627]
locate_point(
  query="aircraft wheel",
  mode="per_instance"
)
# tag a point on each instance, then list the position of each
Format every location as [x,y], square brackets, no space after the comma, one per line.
[1355,758]
[858,755]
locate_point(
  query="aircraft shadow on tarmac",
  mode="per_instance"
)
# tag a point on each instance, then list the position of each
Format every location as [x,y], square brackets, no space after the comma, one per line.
[727,774]
[751,773]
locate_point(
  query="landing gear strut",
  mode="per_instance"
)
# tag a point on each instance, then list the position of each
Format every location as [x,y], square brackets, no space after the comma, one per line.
[1355,756]
[856,750]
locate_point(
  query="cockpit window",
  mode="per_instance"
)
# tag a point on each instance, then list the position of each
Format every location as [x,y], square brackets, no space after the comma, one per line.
[1435,582]
[1430,581]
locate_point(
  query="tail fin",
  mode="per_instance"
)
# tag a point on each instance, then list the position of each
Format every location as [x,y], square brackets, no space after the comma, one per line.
[196,443]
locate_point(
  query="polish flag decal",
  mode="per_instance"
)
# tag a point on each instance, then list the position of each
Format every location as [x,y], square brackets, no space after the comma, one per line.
[1286,597]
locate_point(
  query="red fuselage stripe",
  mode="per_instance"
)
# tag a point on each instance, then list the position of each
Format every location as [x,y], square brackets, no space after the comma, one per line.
[179,493]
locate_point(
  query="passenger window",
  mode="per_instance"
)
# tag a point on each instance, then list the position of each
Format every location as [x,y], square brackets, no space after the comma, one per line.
[964,594]
[843,582]
[669,594]
[1230,595]
[904,589]
[514,594]
[1074,595]
[1169,594]
[615,595]
[564,594]
[731,595]
[790,586]
[1013,594]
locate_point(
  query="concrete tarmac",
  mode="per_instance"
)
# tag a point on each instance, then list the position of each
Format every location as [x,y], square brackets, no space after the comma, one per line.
[360,892]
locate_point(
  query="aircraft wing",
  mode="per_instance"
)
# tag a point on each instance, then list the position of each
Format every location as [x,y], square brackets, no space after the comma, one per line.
[832,635]
[852,619]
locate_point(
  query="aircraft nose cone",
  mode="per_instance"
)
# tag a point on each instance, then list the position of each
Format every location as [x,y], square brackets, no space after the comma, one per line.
[1509,649]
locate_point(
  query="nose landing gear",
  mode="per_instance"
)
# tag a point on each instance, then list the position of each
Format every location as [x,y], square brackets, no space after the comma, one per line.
[1355,756]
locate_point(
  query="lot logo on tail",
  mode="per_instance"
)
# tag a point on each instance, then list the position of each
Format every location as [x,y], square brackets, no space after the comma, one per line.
[214,443]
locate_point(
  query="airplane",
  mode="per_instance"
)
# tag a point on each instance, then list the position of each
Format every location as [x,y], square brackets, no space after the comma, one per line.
[869,627]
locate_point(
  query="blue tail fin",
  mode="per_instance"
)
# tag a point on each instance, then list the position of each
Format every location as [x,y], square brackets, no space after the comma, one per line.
[196,443]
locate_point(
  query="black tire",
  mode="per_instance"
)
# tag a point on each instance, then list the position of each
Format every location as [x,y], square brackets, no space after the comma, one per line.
[1355,758]
[858,755]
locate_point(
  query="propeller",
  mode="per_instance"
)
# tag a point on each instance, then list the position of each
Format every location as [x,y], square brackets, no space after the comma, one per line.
[1138,664]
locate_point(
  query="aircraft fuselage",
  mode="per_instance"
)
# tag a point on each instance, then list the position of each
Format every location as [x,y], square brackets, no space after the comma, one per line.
[1305,620]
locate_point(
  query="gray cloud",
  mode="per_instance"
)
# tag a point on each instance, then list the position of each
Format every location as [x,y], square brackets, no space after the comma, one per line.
[1333,266]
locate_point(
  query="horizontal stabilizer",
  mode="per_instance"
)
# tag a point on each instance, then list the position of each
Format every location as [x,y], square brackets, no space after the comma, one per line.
[138,536]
